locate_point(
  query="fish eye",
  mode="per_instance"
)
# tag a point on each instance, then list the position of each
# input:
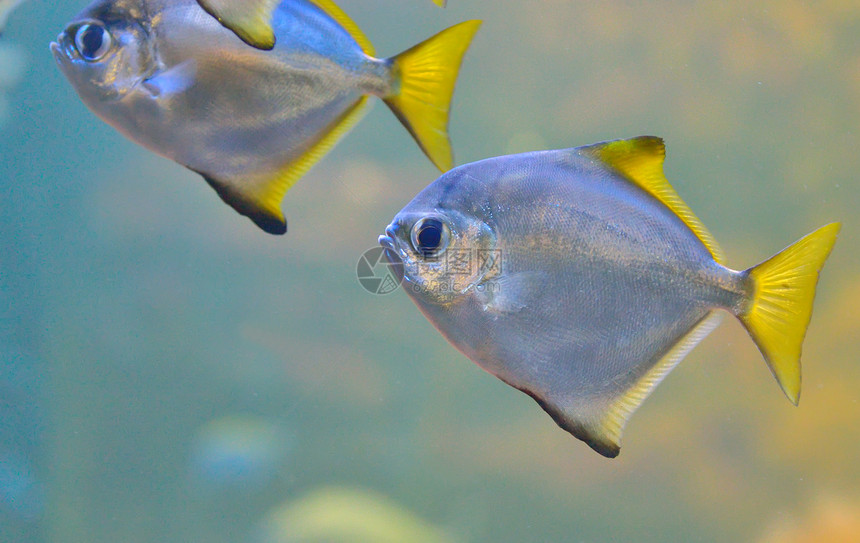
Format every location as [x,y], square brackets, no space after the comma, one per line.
[92,40]
[429,236]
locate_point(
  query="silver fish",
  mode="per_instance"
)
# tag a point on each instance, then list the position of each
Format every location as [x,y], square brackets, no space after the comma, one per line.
[579,277]
[170,77]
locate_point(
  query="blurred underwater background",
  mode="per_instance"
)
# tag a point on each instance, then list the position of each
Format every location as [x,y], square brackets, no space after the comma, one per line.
[171,373]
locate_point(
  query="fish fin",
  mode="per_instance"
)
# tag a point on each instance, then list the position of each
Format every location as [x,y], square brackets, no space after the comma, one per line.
[440,3]
[426,75]
[250,20]
[269,219]
[607,432]
[260,198]
[600,425]
[173,80]
[509,293]
[640,160]
[332,10]
[783,289]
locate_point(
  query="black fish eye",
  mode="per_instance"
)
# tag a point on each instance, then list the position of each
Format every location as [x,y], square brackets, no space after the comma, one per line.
[429,236]
[92,40]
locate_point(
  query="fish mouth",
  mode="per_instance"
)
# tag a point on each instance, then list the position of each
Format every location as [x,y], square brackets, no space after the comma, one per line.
[62,49]
[387,239]
[387,242]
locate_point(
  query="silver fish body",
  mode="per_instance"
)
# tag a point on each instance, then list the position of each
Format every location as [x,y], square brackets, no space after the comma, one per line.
[581,289]
[176,81]
[212,117]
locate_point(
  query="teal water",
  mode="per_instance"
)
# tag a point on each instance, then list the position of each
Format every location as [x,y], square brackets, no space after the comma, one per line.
[170,373]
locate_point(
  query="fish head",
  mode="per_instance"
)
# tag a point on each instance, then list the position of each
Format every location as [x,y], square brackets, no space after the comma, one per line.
[105,52]
[443,242]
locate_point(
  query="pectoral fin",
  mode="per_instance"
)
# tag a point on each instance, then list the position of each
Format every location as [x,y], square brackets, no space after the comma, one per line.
[251,20]
[173,80]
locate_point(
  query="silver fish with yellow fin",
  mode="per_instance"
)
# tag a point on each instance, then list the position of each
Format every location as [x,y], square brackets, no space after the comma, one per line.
[170,77]
[581,278]
[251,20]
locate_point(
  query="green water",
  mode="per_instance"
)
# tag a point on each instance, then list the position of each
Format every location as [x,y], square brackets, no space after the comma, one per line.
[170,373]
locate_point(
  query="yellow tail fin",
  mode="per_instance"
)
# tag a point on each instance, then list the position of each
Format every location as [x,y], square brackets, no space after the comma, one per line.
[779,312]
[425,76]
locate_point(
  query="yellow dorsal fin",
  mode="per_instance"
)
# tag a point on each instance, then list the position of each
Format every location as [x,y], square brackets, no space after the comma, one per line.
[332,10]
[259,197]
[251,20]
[640,160]
[605,436]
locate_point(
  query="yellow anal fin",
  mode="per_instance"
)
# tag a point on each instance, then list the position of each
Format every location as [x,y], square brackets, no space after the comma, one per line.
[440,3]
[425,77]
[783,289]
[270,220]
[600,423]
[332,10]
[640,160]
[605,435]
[259,197]
[251,20]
